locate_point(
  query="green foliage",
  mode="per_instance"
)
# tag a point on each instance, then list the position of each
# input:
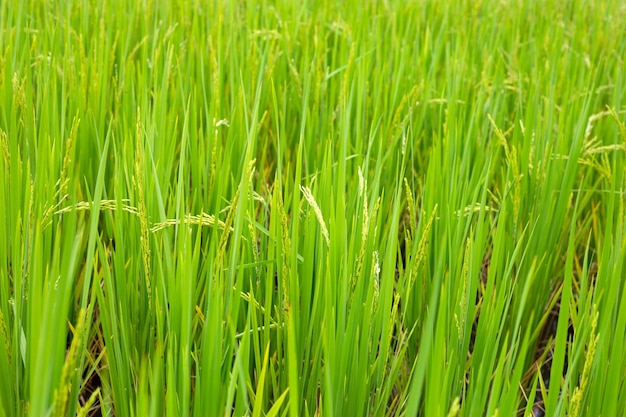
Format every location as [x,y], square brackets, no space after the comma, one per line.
[341,208]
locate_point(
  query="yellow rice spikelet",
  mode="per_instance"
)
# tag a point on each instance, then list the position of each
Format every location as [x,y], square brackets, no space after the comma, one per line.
[6,153]
[61,394]
[84,410]
[143,217]
[4,335]
[421,248]
[577,397]
[308,196]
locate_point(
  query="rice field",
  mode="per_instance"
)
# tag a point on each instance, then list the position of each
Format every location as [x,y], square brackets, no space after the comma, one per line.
[331,208]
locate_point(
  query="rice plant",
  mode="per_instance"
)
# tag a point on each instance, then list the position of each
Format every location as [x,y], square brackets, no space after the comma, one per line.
[334,208]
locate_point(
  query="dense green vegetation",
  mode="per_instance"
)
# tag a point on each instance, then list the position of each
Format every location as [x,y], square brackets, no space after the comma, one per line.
[341,208]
